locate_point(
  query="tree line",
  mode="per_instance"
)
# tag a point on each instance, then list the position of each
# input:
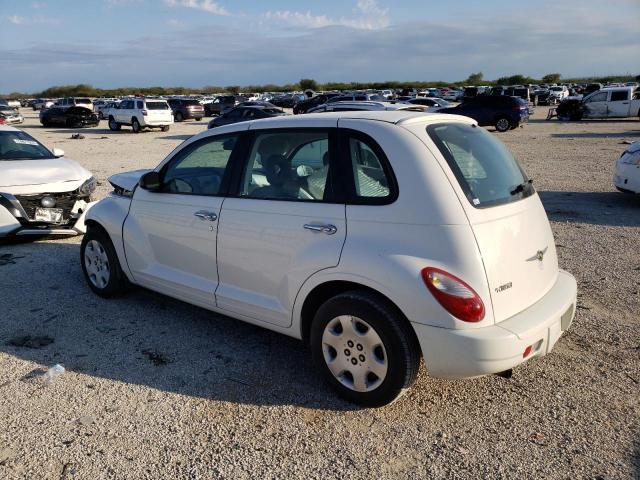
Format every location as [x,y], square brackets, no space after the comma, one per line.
[84,90]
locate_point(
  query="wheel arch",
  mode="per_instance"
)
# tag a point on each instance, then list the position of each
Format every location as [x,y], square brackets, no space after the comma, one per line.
[325,290]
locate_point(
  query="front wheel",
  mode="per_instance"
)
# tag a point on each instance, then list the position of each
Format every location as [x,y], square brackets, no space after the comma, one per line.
[503,124]
[179,117]
[100,264]
[364,348]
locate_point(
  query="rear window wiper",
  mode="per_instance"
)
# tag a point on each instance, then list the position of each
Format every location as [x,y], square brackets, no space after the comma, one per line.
[520,188]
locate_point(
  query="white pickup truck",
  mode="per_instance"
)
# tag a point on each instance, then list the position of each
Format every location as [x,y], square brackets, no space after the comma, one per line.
[612,102]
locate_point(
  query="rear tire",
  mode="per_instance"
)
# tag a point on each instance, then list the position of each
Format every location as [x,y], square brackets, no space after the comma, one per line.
[365,349]
[135,125]
[113,125]
[100,264]
[198,119]
[502,124]
[165,128]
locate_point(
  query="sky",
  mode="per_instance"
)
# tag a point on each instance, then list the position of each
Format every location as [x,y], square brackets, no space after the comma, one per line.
[195,43]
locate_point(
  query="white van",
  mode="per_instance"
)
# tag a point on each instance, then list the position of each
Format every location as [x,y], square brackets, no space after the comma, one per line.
[377,237]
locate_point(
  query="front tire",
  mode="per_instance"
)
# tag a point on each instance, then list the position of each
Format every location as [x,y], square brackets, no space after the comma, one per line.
[364,348]
[100,264]
[502,124]
[179,117]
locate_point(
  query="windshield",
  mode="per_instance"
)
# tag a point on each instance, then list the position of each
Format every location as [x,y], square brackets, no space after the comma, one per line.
[20,146]
[487,172]
[157,105]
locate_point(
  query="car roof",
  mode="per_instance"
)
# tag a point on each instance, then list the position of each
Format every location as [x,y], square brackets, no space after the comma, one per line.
[398,117]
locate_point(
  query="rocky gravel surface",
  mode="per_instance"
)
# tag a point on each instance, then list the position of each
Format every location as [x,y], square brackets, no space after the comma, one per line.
[155,388]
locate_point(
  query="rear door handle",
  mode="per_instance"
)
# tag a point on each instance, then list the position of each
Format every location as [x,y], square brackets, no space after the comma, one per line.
[328,229]
[204,215]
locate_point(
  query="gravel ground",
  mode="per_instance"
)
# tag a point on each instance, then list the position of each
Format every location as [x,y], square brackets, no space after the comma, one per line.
[156,388]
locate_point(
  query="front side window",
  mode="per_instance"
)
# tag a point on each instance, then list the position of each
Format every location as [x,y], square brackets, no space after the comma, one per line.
[288,166]
[487,172]
[370,178]
[199,168]
[598,97]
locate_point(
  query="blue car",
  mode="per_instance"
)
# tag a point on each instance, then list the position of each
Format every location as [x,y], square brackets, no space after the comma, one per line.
[503,112]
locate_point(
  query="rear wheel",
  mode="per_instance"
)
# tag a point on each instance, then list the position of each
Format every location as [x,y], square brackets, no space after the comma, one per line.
[100,264]
[135,125]
[113,125]
[502,124]
[364,348]
[165,128]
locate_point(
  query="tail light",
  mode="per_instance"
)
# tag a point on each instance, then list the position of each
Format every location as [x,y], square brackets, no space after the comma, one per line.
[144,113]
[457,298]
[2,121]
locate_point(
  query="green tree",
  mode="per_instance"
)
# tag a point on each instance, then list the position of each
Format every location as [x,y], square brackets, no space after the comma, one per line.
[308,84]
[474,79]
[551,78]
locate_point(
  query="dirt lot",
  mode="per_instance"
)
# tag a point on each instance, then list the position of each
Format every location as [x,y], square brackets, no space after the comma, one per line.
[156,388]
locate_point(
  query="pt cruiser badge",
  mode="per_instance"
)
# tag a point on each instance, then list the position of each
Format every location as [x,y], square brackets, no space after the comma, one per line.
[539,255]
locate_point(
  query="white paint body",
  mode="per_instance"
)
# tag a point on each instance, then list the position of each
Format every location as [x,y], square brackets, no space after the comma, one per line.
[256,263]
[626,176]
[612,102]
[35,178]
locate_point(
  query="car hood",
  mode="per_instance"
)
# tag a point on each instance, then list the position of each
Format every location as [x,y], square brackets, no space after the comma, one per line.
[37,176]
[127,180]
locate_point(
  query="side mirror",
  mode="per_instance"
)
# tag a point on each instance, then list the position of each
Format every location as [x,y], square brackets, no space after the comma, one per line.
[150,181]
[58,152]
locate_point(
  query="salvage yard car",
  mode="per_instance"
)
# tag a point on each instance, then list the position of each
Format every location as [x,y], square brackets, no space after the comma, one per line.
[140,113]
[626,177]
[377,237]
[41,192]
[503,112]
[72,117]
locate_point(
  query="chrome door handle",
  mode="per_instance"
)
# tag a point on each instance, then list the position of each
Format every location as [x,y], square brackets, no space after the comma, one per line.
[204,215]
[328,229]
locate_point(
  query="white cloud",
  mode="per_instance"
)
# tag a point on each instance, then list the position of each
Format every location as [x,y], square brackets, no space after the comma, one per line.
[34,20]
[205,5]
[367,16]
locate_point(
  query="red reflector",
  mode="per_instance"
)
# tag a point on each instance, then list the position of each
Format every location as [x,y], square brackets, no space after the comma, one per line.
[457,298]
[527,351]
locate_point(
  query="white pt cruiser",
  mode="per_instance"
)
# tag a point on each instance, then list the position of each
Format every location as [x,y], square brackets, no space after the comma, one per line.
[373,236]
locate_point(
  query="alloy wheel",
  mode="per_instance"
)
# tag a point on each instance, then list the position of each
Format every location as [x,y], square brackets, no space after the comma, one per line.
[97,264]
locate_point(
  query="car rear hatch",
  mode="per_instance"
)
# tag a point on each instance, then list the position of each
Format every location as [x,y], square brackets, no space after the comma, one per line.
[508,220]
[158,112]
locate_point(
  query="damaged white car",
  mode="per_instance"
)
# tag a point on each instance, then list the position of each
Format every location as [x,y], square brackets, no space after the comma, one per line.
[41,193]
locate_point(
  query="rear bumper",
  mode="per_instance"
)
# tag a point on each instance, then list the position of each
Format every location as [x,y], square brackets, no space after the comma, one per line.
[157,122]
[475,352]
[192,114]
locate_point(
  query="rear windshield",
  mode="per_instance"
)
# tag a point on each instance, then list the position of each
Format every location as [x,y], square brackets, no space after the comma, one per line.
[191,102]
[487,172]
[157,105]
[21,146]
[82,100]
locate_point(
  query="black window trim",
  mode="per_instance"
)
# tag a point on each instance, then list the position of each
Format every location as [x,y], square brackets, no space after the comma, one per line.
[228,171]
[346,171]
[333,190]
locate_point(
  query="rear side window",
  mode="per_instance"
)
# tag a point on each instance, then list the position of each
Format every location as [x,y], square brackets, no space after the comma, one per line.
[620,95]
[371,179]
[487,172]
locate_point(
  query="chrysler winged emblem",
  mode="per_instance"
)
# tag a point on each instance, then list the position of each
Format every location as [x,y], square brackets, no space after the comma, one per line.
[539,255]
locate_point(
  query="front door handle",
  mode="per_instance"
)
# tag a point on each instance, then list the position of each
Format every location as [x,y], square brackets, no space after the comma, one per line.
[204,215]
[328,229]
